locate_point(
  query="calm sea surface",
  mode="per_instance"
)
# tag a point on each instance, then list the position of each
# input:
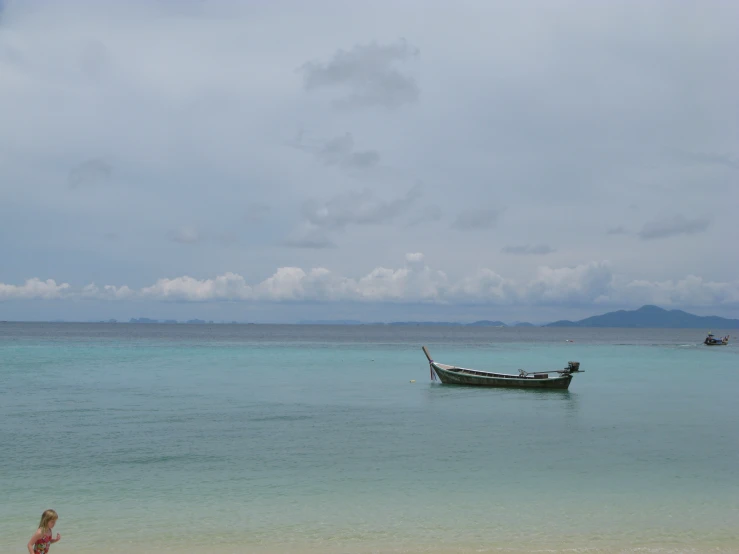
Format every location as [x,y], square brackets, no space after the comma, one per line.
[259,438]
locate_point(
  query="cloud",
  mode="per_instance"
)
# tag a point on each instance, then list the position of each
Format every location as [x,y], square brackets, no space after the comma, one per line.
[107,292]
[429,214]
[690,291]
[185,235]
[224,287]
[340,151]
[618,230]
[677,225]
[357,208]
[344,210]
[191,110]
[256,212]
[309,237]
[581,284]
[94,59]
[91,172]
[292,284]
[527,249]
[34,288]
[708,158]
[471,220]
[227,238]
[486,286]
[367,74]
[591,283]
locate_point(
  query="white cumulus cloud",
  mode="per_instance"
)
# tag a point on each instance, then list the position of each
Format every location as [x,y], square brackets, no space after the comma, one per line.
[107,292]
[592,283]
[34,288]
[229,286]
[583,283]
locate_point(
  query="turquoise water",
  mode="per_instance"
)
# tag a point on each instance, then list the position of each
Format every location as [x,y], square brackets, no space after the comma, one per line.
[259,438]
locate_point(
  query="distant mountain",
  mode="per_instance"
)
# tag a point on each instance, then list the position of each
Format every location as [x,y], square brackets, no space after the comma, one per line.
[444,323]
[524,324]
[329,322]
[481,323]
[654,317]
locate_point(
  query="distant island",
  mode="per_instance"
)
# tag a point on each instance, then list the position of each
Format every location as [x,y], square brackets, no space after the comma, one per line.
[645,317]
[483,323]
[651,316]
[329,322]
[167,321]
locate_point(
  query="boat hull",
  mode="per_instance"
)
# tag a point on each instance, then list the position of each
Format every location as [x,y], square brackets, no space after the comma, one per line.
[461,376]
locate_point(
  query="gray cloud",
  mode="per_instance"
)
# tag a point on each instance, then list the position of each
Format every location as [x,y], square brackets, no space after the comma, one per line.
[91,172]
[94,59]
[184,235]
[367,74]
[8,53]
[202,142]
[431,213]
[357,208]
[527,249]
[314,239]
[227,238]
[340,151]
[256,212]
[618,230]
[726,160]
[677,225]
[469,220]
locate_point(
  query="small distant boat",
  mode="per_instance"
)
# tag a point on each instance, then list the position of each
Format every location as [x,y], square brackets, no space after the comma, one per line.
[713,341]
[453,375]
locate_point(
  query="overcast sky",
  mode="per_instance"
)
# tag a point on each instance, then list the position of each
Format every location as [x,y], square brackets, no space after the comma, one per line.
[280,161]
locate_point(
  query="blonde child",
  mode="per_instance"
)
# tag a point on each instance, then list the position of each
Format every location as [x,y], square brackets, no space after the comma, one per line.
[41,539]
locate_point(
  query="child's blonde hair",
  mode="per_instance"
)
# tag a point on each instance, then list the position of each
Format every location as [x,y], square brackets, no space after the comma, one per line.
[47,517]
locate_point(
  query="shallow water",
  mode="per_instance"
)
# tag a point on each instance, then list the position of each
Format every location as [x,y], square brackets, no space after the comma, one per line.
[313,438]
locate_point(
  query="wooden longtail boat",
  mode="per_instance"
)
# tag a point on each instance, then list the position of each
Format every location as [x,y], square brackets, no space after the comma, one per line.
[453,375]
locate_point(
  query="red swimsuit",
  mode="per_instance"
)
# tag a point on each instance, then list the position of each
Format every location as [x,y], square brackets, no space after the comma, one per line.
[42,545]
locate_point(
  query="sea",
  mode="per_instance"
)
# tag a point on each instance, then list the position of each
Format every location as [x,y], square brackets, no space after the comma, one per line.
[334,439]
